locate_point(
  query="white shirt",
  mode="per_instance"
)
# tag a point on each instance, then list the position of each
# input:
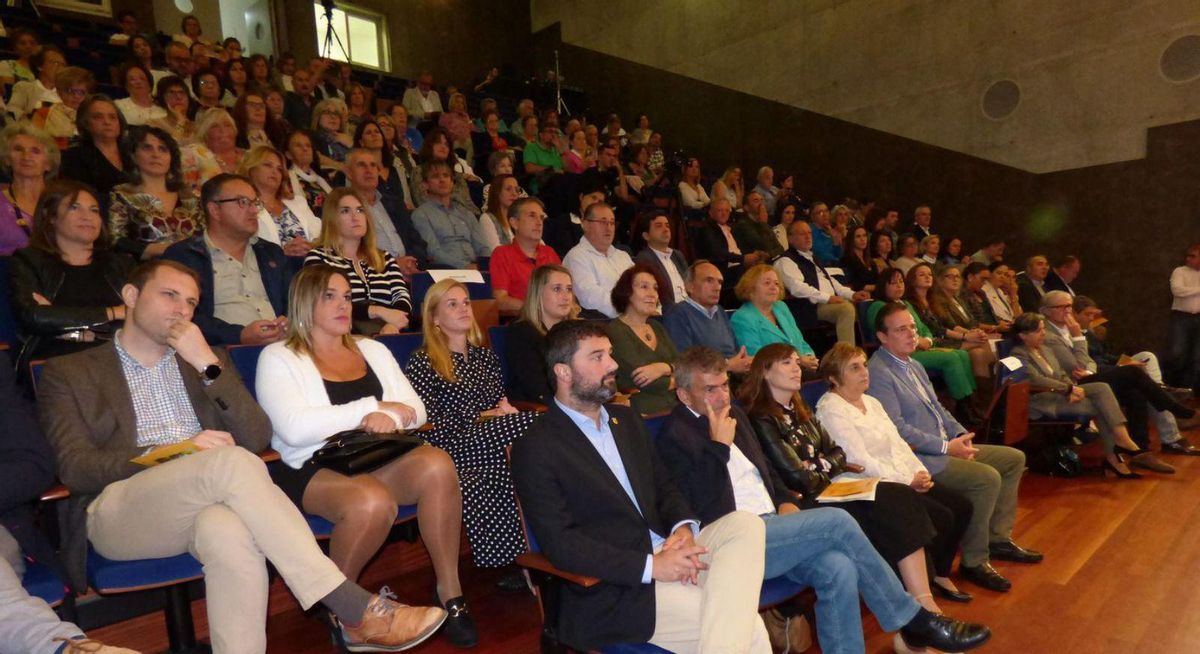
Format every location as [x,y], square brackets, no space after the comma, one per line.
[595,273]
[136,114]
[268,230]
[1185,286]
[870,440]
[28,97]
[673,275]
[998,300]
[749,491]
[789,273]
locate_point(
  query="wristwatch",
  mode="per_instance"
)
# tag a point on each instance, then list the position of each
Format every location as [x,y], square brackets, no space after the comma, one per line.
[210,373]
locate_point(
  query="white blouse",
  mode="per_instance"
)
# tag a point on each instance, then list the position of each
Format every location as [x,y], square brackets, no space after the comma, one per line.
[869,440]
[291,391]
[136,114]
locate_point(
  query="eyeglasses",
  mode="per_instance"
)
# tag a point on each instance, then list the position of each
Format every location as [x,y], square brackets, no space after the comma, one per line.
[243,202]
[1060,306]
[606,223]
[76,92]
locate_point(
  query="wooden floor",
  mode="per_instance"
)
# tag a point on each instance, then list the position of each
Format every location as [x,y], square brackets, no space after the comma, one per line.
[1122,574]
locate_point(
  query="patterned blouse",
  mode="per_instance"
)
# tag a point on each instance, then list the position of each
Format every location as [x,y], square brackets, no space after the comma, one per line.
[199,164]
[137,219]
[312,185]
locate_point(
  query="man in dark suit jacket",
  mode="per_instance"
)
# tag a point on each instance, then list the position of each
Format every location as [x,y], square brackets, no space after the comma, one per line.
[243,281]
[713,454]
[922,222]
[1031,284]
[1059,277]
[715,242]
[601,504]
[157,386]
[669,262]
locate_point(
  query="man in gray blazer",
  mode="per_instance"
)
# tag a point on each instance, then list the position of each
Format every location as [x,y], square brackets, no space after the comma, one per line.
[987,475]
[159,385]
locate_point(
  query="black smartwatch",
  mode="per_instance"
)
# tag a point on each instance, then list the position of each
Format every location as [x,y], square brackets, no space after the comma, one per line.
[210,373]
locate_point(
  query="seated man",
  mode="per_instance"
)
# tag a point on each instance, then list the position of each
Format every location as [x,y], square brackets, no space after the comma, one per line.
[563,230]
[422,100]
[1031,286]
[158,384]
[826,251]
[1132,386]
[1060,277]
[244,279]
[451,233]
[805,278]
[713,455]
[28,624]
[542,158]
[699,319]
[394,231]
[601,504]
[987,475]
[658,254]
[595,263]
[511,265]
[715,242]
[991,252]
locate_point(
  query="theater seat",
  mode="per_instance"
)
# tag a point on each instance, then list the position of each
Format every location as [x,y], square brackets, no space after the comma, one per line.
[812,391]
[40,581]
[110,577]
[498,337]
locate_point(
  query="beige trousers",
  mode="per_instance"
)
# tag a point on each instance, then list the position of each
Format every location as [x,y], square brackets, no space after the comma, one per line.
[720,615]
[842,315]
[221,506]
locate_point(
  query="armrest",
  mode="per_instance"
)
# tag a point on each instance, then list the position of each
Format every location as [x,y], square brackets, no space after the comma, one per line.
[1044,389]
[57,492]
[268,455]
[853,467]
[542,564]
[521,405]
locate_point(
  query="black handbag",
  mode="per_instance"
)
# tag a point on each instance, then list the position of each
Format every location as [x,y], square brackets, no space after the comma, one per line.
[355,451]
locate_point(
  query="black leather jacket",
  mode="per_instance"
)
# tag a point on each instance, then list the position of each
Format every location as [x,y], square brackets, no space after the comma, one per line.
[803,453]
[36,271]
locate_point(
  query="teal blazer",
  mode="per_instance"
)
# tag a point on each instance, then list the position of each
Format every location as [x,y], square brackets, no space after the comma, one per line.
[754,331]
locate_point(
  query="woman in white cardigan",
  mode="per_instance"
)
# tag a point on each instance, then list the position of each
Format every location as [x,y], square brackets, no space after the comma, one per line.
[321,381]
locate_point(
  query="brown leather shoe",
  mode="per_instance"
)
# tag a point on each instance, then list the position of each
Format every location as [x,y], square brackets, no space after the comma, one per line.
[389,626]
[89,646]
[1148,461]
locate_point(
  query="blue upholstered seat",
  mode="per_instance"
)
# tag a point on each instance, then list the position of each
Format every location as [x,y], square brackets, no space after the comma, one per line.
[40,581]
[108,576]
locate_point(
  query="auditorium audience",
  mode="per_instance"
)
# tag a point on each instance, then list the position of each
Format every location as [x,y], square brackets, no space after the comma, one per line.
[881,251]
[207,89]
[766,188]
[256,125]
[1184,340]
[243,279]
[641,346]
[764,318]
[595,263]
[827,242]
[906,253]
[451,233]
[151,211]
[179,62]
[550,300]
[699,319]
[236,82]
[785,215]
[330,138]
[30,95]
[96,159]
[494,222]
[322,381]
[922,222]
[991,252]
[691,193]
[218,504]
[987,475]
[437,148]
[807,280]
[394,230]
[948,304]
[299,102]
[730,187]
[929,248]
[754,234]
[214,151]
[139,108]
[285,218]
[30,157]
[459,381]
[952,253]
[973,298]
[393,182]
[715,242]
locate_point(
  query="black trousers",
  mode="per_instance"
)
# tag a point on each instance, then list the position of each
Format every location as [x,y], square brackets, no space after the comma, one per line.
[1136,392]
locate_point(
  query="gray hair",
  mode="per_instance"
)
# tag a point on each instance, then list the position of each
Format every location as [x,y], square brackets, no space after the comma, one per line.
[26,128]
[1056,297]
[695,361]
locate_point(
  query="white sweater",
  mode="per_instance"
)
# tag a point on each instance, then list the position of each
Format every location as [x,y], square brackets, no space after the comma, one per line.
[291,391]
[870,440]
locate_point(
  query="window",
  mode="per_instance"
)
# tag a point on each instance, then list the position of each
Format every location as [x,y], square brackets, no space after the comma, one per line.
[363,35]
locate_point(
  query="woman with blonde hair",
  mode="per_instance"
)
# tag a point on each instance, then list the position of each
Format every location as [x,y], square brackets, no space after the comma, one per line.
[321,381]
[764,318]
[379,294]
[730,187]
[549,301]
[460,382]
[285,218]
[214,151]
[330,139]
[457,122]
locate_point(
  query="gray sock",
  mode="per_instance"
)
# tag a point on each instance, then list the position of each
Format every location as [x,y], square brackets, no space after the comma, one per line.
[348,602]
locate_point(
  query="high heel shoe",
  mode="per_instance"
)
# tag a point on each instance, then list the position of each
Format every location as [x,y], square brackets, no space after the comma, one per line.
[1126,451]
[1108,466]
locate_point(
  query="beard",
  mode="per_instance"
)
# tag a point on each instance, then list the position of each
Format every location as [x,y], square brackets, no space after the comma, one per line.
[598,393]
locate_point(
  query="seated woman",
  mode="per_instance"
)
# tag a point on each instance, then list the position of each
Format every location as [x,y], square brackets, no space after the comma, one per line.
[139,108]
[25,42]
[460,382]
[321,381]
[859,425]
[906,253]
[918,284]
[172,94]
[66,286]
[490,140]
[954,364]
[785,215]
[96,159]
[549,301]
[330,139]
[378,292]
[236,81]
[494,222]
[641,346]
[62,120]
[151,212]
[31,95]
[856,261]
[306,178]
[1058,396]
[764,318]
[437,148]
[214,152]
[357,104]
[284,217]
[881,251]
[256,125]
[930,247]
[457,122]
[369,135]
[947,302]
[402,160]
[500,163]
[952,252]
[207,90]
[30,157]
[730,187]
[575,159]
[691,194]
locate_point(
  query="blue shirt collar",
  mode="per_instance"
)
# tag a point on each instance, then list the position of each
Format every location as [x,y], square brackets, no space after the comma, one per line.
[711,313]
[585,424]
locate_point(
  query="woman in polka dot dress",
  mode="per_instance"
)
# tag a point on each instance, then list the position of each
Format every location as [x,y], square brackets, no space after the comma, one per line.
[460,383]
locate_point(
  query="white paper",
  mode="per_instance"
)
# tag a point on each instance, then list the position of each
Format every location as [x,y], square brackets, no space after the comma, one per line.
[1012,363]
[464,276]
[835,271]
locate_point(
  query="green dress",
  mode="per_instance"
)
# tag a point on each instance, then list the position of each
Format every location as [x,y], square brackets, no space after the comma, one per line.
[953,364]
[631,353]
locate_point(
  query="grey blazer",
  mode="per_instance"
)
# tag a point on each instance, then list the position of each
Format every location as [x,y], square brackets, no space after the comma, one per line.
[1069,353]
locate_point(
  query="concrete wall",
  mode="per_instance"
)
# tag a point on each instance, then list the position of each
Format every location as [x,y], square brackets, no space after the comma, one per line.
[1088,70]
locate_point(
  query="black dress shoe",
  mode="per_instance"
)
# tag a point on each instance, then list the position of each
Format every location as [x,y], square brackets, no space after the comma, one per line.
[460,625]
[943,633]
[1181,447]
[948,594]
[1180,395]
[1006,550]
[986,576]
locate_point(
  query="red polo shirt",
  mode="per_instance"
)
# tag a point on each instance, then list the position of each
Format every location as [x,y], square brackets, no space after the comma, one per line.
[511,268]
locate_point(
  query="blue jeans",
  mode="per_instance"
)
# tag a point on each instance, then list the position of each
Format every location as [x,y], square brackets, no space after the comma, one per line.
[825,548]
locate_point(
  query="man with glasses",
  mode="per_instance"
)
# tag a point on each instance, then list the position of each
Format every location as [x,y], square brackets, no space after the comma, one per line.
[511,265]
[244,279]
[180,63]
[596,263]
[1130,383]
